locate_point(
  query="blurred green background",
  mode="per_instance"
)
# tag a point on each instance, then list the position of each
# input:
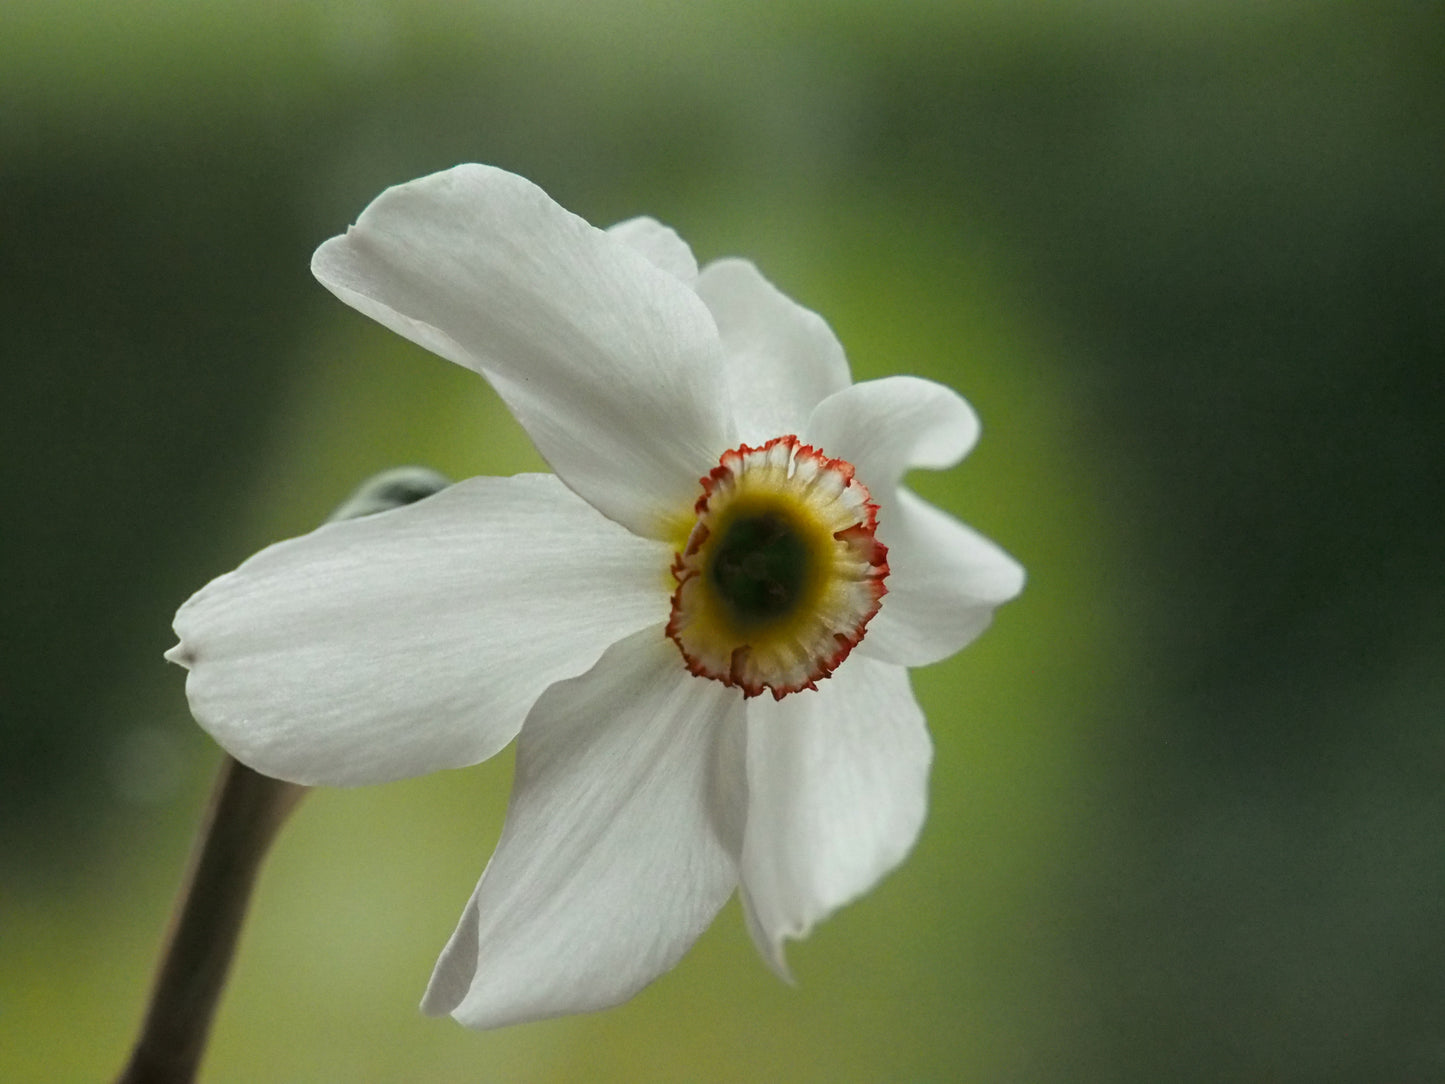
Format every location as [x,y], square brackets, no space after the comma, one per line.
[1188,262]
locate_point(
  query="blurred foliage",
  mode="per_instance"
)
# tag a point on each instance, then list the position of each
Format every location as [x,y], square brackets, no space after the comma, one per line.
[1188,261]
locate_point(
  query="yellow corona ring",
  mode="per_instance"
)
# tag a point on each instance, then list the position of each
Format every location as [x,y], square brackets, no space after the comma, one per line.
[781,572]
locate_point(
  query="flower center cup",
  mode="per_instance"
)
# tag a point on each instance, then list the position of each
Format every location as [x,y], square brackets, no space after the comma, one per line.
[759,567]
[781,572]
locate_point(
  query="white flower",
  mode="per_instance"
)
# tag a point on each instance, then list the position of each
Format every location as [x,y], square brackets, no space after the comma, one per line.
[709,535]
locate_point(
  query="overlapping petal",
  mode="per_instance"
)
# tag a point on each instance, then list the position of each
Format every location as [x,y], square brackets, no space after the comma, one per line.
[945,579]
[610,363]
[385,647]
[781,359]
[889,426]
[658,243]
[837,784]
[616,852]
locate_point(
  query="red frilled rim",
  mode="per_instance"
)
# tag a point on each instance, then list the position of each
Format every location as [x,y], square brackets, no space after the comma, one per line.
[805,647]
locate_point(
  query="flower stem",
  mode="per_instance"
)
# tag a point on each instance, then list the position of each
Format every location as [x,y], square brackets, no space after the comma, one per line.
[246,811]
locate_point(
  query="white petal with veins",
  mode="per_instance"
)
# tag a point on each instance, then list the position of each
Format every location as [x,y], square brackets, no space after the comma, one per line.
[611,364]
[389,646]
[945,583]
[946,579]
[837,790]
[780,359]
[619,846]
[889,426]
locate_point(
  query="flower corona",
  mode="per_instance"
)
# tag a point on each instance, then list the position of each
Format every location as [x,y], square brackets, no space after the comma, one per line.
[781,572]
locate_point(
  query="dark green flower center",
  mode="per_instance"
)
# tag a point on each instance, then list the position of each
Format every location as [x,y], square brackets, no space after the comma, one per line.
[759,567]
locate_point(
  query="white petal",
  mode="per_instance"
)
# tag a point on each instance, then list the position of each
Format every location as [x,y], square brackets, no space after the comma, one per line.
[884,427]
[385,647]
[838,788]
[944,582]
[658,243]
[782,359]
[611,364]
[944,579]
[615,854]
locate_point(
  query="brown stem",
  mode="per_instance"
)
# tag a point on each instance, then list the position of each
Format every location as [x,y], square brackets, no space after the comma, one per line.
[246,811]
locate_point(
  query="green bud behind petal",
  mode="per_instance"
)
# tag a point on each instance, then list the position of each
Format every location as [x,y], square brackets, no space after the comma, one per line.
[391,489]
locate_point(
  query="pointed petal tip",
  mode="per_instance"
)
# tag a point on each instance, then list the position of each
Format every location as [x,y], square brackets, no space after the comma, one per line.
[776,959]
[433,1004]
[770,946]
[448,985]
[181,655]
[455,968]
[1002,577]
[1016,579]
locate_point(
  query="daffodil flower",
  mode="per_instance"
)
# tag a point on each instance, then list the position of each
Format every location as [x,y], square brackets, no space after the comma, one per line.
[698,628]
